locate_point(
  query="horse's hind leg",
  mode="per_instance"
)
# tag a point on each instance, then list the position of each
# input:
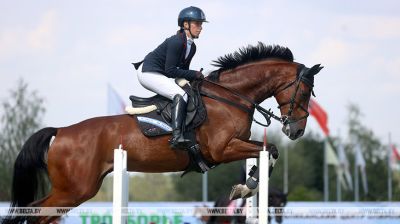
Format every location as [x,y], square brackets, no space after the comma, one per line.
[74,178]
[70,196]
[55,199]
[73,197]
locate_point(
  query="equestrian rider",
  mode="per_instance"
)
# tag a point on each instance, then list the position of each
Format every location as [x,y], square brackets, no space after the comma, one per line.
[171,60]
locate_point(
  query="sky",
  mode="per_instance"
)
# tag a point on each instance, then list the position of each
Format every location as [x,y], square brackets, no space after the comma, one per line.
[69,51]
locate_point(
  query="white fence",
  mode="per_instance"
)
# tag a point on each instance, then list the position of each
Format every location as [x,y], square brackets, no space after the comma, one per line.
[261,208]
[120,186]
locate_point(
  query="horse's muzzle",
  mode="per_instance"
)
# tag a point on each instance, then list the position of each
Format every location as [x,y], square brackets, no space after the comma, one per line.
[292,131]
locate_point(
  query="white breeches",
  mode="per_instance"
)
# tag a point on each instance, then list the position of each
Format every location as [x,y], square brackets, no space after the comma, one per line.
[161,84]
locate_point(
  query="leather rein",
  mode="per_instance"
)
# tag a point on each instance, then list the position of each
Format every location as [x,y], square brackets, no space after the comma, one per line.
[268,114]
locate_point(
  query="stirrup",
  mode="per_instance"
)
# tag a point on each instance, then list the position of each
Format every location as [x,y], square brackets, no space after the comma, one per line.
[180,143]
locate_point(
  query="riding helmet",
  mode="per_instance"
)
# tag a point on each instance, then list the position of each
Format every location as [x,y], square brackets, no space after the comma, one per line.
[191,14]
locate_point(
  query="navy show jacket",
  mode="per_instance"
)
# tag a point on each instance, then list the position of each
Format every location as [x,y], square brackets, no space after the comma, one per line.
[169,58]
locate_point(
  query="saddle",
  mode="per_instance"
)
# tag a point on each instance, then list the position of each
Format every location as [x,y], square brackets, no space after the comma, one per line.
[153,115]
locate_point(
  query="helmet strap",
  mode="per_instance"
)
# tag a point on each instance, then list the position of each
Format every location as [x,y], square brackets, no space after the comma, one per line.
[194,37]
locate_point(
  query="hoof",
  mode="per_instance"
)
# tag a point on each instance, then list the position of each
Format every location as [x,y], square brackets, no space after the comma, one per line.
[273,151]
[242,191]
[236,192]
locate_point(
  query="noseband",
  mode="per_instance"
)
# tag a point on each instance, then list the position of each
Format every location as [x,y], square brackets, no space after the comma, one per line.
[268,114]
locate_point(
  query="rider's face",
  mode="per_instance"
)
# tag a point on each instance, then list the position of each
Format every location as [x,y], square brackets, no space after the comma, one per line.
[195,28]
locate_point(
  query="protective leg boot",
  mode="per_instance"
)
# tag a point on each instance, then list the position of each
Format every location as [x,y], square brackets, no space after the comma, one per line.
[178,115]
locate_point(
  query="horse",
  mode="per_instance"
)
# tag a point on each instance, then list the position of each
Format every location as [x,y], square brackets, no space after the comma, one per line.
[76,158]
[276,201]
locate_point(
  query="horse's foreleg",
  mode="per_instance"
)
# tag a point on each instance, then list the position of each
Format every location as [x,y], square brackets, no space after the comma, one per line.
[251,186]
[271,148]
[273,153]
[238,150]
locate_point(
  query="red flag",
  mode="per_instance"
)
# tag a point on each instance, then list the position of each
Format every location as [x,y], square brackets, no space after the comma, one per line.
[396,153]
[320,115]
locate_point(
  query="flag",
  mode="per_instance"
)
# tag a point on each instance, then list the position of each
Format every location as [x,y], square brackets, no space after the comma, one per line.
[396,153]
[344,167]
[115,105]
[319,114]
[395,157]
[360,162]
[330,158]
[330,155]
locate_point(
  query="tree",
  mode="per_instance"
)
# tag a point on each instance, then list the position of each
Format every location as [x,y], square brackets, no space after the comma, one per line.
[305,162]
[21,116]
[375,157]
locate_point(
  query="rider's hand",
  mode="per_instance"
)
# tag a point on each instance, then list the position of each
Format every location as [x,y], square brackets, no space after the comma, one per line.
[199,76]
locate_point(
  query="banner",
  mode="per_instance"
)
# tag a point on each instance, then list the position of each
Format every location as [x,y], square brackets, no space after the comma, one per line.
[115,105]
[345,168]
[360,162]
[394,158]
[331,158]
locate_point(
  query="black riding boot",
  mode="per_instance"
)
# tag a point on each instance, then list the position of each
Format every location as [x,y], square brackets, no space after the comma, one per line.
[178,115]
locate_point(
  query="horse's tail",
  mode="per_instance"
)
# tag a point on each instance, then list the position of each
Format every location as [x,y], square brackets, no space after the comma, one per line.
[28,168]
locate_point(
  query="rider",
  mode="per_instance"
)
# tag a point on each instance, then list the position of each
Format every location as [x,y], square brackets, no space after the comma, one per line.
[171,60]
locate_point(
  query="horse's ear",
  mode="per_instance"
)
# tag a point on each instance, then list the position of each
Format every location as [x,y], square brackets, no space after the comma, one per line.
[315,69]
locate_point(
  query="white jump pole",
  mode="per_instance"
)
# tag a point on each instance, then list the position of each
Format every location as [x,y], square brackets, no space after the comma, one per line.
[120,186]
[251,202]
[263,187]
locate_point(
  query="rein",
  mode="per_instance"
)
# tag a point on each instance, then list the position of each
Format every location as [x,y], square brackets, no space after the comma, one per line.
[268,114]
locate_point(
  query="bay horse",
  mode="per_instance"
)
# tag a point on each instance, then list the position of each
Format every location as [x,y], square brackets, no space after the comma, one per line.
[277,200]
[76,158]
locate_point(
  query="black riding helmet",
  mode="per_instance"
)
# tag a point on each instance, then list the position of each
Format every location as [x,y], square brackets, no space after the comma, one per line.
[191,14]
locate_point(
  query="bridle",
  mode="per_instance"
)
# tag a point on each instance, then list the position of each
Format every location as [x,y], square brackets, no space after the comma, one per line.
[268,114]
[285,119]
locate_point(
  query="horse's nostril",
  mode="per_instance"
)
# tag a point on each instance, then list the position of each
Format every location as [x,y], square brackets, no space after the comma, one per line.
[286,129]
[299,133]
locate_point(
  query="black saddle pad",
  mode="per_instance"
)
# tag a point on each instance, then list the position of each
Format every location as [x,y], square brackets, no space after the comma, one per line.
[153,124]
